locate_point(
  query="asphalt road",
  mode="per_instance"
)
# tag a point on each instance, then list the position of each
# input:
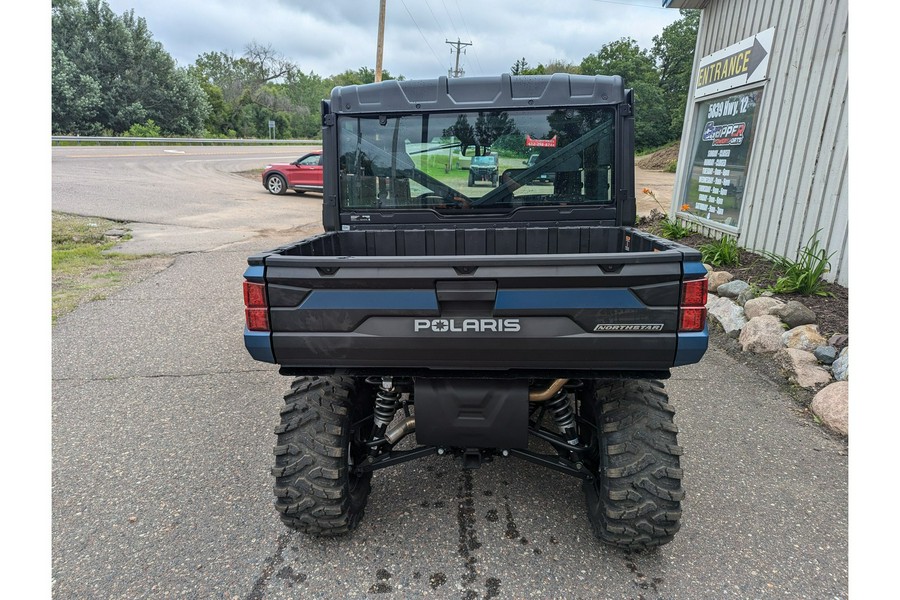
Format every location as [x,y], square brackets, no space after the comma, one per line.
[163,431]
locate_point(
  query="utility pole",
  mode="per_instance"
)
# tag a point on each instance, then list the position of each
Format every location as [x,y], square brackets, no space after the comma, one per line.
[380,50]
[457,72]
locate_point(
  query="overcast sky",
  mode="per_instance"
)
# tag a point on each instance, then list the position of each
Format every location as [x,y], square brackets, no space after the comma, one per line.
[329,37]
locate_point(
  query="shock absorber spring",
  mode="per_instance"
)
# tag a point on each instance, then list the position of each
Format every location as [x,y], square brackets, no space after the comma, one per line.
[387,401]
[561,409]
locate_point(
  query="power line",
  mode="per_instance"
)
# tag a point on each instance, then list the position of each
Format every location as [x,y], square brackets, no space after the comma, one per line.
[422,34]
[455,30]
[434,16]
[468,34]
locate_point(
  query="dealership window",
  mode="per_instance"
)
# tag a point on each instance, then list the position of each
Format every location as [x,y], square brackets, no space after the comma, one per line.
[721,144]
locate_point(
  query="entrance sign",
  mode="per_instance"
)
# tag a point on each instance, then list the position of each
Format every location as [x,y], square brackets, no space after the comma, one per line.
[739,64]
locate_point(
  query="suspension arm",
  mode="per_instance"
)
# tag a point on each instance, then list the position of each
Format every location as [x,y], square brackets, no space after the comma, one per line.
[556,441]
[553,462]
[394,457]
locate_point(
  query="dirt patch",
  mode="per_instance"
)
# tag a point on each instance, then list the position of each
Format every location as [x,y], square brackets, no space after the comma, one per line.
[661,159]
[254,174]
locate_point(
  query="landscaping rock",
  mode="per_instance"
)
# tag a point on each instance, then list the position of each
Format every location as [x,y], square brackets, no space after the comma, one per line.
[802,368]
[717,278]
[838,340]
[841,366]
[825,354]
[732,289]
[795,314]
[803,337]
[727,314]
[758,307]
[831,405]
[746,295]
[762,334]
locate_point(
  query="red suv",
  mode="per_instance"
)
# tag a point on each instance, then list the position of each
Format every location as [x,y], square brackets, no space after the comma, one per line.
[302,175]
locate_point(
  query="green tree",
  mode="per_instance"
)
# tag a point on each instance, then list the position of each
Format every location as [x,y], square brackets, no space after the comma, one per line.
[247,92]
[360,76]
[519,67]
[75,97]
[652,122]
[109,73]
[622,57]
[488,128]
[673,51]
[558,65]
[463,131]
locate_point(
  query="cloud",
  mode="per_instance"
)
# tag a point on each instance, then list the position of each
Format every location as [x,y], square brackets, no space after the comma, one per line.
[331,37]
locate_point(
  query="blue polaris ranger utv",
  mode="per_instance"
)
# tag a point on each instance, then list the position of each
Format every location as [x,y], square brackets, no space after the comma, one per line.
[477,322]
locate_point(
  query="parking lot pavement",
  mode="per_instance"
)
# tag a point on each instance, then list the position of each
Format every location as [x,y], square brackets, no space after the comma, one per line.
[162,438]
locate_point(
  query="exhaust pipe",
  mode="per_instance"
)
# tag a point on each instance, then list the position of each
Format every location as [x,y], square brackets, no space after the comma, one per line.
[543,396]
[400,430]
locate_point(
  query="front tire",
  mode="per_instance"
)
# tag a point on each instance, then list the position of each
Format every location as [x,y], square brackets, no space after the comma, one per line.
[316,491]
[634,500]
[276,184]
[471,180]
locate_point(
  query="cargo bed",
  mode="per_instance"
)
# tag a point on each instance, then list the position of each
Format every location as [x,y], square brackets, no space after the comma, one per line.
[549,301]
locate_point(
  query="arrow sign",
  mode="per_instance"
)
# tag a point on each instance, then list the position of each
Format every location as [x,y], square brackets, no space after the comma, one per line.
[734,66]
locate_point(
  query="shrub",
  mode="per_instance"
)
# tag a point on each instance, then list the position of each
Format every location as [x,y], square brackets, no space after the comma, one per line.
[673,230]
[148,129]
[804,275]
[721,252]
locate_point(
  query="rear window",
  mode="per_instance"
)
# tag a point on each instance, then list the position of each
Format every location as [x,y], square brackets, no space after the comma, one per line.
[421,162]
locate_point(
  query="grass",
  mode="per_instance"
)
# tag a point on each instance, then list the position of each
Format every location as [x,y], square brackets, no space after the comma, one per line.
[82,267]
[804,275]
[722,252]
[673,230]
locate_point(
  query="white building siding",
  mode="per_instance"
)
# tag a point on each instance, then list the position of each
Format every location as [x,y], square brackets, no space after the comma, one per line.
[797,174]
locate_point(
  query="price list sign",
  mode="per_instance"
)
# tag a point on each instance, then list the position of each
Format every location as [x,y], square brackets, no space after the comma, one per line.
[722,141]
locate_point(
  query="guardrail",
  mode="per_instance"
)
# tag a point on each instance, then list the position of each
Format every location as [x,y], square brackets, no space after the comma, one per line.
[134,141]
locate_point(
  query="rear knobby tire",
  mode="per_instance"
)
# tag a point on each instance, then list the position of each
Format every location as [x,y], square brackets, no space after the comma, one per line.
[315,490]
[634,500]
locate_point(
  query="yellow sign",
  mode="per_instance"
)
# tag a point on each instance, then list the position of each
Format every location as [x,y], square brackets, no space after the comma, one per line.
[739,64]
[730,66]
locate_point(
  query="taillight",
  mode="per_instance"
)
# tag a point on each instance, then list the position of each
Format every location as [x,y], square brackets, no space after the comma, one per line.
[692,319]
[693,305]
[694,292]
[257,309]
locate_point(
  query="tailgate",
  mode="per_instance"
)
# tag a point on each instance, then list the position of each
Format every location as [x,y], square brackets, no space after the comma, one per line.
[553,314]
